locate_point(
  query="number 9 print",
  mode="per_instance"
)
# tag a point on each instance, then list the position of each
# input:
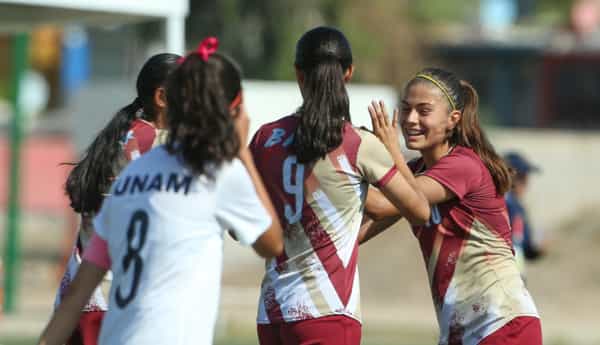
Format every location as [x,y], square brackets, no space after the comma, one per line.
[294,187]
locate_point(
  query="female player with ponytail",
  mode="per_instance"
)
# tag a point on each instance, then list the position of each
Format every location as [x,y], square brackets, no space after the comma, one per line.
[132,131]
[317,168]
[161,228]
[477,290]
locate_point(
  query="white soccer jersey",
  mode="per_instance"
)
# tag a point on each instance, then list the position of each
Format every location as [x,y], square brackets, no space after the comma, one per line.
[164,230]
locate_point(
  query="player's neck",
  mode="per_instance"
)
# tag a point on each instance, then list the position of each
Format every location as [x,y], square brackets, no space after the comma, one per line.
[160,122]
[434,154]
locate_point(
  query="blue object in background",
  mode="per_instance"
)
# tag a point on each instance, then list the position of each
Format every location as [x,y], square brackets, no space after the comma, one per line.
[75,64]
[498,15]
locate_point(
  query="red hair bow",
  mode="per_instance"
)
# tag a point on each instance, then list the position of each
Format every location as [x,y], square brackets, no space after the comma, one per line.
[205,49]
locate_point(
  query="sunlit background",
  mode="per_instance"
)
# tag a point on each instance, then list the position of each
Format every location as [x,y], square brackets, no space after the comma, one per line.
[67,66]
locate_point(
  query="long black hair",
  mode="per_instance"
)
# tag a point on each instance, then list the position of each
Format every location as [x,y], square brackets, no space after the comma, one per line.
[468,131]
[92,176]
[323,55]
[200,95]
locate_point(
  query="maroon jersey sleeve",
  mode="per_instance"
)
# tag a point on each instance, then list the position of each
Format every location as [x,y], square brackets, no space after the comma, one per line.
[459,171]
[140,139]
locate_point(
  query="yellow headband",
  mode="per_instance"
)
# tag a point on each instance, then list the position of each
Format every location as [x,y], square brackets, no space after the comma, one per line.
[439,85]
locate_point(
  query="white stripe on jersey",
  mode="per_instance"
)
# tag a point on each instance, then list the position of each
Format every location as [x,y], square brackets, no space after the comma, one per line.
[354,301]
[344,249]
[325,285]
[354,179]
[299,298]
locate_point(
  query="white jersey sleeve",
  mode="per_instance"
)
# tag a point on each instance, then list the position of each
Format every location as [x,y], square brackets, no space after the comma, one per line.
[238,206]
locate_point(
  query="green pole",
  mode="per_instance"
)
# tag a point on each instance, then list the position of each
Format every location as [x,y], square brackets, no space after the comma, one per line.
[12,244]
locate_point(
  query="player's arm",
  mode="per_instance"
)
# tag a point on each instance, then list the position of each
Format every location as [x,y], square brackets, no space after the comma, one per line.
[371,228]
[410,202]
[270,243]
[434,192]
[378,207]
[66,317]
[380,214]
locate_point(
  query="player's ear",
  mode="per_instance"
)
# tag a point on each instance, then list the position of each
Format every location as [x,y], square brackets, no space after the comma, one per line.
[160,98]
[454,119]
[349,73]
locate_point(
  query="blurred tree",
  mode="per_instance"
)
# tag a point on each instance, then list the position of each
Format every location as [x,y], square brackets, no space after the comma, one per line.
[387,42]
[445,11]
[388,37]
[262,34]
[467,11]
[552,12]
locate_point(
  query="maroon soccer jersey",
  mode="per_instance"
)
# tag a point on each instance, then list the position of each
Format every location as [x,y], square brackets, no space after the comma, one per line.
[475,283]
[320,206]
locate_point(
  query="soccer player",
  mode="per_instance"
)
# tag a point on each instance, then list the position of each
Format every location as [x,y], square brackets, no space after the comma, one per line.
[317,169]
[478,293]
[161,229]
[132,131]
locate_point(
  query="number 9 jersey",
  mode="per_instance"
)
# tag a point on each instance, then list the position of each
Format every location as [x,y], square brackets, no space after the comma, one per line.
[320,206]
[162,229]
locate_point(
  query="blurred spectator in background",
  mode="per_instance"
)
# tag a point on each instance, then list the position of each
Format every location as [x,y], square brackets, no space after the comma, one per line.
[526,248]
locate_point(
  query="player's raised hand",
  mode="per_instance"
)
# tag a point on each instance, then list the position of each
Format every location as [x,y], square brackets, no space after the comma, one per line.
[384,129]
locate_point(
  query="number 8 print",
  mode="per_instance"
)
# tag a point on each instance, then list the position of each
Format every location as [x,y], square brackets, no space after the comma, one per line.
[139,220]
[295,187]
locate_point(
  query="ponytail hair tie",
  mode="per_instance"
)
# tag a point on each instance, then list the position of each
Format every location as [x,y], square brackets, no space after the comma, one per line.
[205,49]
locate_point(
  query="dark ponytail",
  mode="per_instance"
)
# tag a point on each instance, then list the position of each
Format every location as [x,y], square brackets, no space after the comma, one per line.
[92,176]
[201,128]
[323,55]
[468,131]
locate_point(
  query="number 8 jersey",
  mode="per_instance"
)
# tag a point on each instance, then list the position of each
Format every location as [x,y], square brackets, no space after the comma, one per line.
[162,228]
[320,206]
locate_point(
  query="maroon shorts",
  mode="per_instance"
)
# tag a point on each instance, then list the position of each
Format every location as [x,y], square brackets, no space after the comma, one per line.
[88,329]
[328,330]
[522,330]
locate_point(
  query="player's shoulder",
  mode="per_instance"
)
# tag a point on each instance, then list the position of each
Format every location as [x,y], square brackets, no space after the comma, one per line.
[288,121]
[362,137]
[229,174]
[155,158]
[465,156]
[362,132]
[280,129]
[234,166]
[285,122]
[142,129]
[139,124]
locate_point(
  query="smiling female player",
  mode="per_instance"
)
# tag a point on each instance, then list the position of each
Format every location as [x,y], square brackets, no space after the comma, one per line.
[317,168]
[478,293]
[161,229]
